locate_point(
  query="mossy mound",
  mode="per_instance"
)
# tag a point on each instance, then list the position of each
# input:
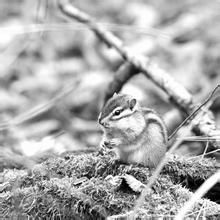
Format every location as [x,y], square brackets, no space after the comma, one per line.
[76,186]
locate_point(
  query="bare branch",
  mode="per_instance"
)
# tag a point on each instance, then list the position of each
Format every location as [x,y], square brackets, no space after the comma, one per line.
[177,93]
[125,72]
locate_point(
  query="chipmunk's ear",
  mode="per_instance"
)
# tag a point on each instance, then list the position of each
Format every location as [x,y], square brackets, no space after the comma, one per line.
[132,103]
[115,94]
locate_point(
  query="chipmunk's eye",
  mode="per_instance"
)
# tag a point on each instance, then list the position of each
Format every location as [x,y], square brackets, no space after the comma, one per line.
[117,112]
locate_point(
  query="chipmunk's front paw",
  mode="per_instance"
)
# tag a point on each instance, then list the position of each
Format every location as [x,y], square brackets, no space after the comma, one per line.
[107,144]
[113,143]
[105,147]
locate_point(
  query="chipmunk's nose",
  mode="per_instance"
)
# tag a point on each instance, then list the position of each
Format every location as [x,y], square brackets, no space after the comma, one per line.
[102,122]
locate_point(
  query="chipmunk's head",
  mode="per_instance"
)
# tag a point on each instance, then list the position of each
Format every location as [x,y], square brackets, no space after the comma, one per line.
[117,111]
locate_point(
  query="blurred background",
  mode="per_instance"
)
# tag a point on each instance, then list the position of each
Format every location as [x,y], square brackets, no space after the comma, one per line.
[54,72]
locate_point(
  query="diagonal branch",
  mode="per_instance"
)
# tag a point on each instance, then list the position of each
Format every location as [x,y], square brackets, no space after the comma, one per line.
[176,92]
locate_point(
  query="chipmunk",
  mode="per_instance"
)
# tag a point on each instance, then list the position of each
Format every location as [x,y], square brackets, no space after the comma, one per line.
[137,134]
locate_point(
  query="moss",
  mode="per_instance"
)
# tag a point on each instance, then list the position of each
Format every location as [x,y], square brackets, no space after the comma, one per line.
[76,186]
[192,172]
[190,168]
[52,199]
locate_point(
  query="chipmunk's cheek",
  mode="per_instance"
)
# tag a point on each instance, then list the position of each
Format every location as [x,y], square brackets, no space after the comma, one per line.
[108,125]
[104,123]
[111,124]
[123,124]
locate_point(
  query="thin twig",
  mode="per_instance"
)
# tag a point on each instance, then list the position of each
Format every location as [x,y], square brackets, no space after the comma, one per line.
[201,138]
[37,110]
[36,27]
[206,148]
[210,152]
[203,209]
[200,211]
[193,114]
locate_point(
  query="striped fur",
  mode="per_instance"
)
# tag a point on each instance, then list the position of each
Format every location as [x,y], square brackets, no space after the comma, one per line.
[138,135]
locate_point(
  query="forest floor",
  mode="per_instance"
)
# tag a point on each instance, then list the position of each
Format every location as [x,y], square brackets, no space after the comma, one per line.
[54,74]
